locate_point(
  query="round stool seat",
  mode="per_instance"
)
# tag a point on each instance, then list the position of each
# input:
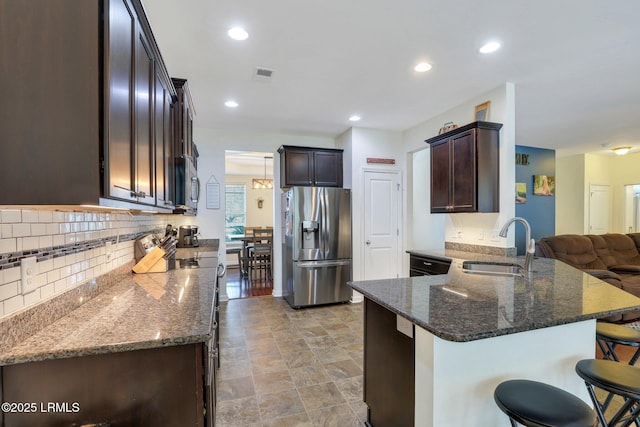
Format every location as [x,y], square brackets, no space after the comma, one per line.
[535,404]
[614,377]
[618,333]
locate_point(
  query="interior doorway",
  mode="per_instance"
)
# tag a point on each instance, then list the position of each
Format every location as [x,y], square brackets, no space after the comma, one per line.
[249,196]
[599,209]
[381,213]
[632,208]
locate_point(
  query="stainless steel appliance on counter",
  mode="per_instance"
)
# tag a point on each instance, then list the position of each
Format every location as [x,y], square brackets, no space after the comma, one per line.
[187,186]
[188,236]
[316,245]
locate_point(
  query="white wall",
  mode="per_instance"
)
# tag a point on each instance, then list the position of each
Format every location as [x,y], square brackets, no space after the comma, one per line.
[570,195]
[575,174]
[369,143]
[256,216]
[426,230]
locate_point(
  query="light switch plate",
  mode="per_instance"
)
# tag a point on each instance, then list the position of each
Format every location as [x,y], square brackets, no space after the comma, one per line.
[28,274]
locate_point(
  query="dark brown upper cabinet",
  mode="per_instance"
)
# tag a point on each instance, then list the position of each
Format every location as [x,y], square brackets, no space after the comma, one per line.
[465,169]
[183,120]
[80,105]
[304,166]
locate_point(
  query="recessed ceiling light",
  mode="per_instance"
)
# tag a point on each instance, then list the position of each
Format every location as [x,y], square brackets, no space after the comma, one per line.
[490,47]
[238,33]
[231,103]
[355,118]
[422,67]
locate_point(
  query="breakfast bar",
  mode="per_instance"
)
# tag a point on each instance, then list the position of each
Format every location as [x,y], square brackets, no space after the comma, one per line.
[472,329]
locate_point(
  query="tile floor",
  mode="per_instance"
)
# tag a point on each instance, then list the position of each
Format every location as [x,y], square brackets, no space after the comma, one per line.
[288,368]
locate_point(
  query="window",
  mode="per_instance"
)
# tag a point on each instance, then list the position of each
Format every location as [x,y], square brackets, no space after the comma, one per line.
[235,210]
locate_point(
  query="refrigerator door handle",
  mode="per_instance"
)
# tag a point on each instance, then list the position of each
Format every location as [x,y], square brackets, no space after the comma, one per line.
[312,264]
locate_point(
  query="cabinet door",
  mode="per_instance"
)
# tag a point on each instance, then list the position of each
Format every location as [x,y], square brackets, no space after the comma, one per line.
[463,172]
[298,167]
[327,166]
[120,131]
[440,177]
[163,143]
[144,153]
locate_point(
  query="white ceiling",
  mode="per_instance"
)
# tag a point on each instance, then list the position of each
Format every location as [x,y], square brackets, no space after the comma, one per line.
[575,64]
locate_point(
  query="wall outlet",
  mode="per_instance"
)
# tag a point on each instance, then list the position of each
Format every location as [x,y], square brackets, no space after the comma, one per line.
[481,235]
[108,250]
[28,274]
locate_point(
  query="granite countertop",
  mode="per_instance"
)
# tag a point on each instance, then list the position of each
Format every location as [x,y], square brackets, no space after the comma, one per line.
[135,311]
[459,306]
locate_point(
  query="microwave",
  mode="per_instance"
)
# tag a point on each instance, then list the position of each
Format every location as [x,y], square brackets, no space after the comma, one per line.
[187,186]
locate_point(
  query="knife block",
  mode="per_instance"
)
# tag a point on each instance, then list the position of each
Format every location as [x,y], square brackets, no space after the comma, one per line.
[153,262]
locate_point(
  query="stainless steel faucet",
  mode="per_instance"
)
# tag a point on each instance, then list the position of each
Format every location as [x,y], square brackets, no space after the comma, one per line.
[531,243]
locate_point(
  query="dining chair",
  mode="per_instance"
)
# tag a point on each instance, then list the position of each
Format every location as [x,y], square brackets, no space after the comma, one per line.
[260,253]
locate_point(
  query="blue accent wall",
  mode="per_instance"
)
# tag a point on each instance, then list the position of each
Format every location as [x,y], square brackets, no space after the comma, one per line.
[539,211]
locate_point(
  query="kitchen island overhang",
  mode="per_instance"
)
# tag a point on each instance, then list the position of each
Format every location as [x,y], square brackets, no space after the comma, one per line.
[474,331]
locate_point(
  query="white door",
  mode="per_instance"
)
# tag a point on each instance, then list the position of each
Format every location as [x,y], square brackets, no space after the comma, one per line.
[599,208]
[381,225]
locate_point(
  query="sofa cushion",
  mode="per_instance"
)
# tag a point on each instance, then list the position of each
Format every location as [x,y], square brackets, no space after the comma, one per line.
[602,249]
[575,250]
[622,248]
[636,239]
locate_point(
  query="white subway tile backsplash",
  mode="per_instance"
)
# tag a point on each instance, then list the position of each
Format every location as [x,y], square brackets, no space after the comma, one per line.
[11,275]
[8,290]
[30,216]
[21,229]
[6,231]
[13,304]
[38,229]
[32,298]
[47,291]
[11,215]
[30,243]
[7,245]
[45,216]
[69,247]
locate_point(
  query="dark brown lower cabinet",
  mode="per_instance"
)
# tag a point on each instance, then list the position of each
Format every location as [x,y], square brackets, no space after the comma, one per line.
[389,372]
[151,387]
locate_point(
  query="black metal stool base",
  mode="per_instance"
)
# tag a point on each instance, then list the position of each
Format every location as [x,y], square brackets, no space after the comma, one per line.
[616,379]
[535,404]
[609,336]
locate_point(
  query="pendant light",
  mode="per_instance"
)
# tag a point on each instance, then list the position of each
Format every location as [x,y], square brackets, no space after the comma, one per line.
[263,183]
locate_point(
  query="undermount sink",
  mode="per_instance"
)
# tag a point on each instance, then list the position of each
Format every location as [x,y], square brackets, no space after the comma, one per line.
[492,268]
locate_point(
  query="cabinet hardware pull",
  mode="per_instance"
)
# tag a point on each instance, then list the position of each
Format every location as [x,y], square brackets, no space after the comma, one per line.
[131,192]
[427,263]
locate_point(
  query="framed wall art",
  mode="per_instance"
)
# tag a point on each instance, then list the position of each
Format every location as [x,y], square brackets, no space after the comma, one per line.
[544,185]
[482,111]
[521,192]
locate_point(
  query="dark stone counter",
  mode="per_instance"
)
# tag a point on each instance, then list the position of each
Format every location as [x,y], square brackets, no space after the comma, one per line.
[460,306]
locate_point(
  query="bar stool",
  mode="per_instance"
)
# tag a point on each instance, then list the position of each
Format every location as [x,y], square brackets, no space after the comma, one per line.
[609,335]
[535,404]
[616,379]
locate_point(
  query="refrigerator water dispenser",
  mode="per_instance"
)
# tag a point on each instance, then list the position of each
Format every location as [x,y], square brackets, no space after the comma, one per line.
[310,235]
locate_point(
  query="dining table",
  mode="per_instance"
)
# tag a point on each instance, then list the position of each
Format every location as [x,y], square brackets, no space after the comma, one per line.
[246,240]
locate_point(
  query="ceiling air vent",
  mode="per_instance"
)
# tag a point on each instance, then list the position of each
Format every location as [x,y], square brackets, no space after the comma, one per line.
[263,74]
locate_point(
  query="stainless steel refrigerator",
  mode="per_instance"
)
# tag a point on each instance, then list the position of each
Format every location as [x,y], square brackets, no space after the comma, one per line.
[316,245]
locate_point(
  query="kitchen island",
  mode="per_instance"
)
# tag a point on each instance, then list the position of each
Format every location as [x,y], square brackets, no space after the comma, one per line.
[469,332]
[123,348]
